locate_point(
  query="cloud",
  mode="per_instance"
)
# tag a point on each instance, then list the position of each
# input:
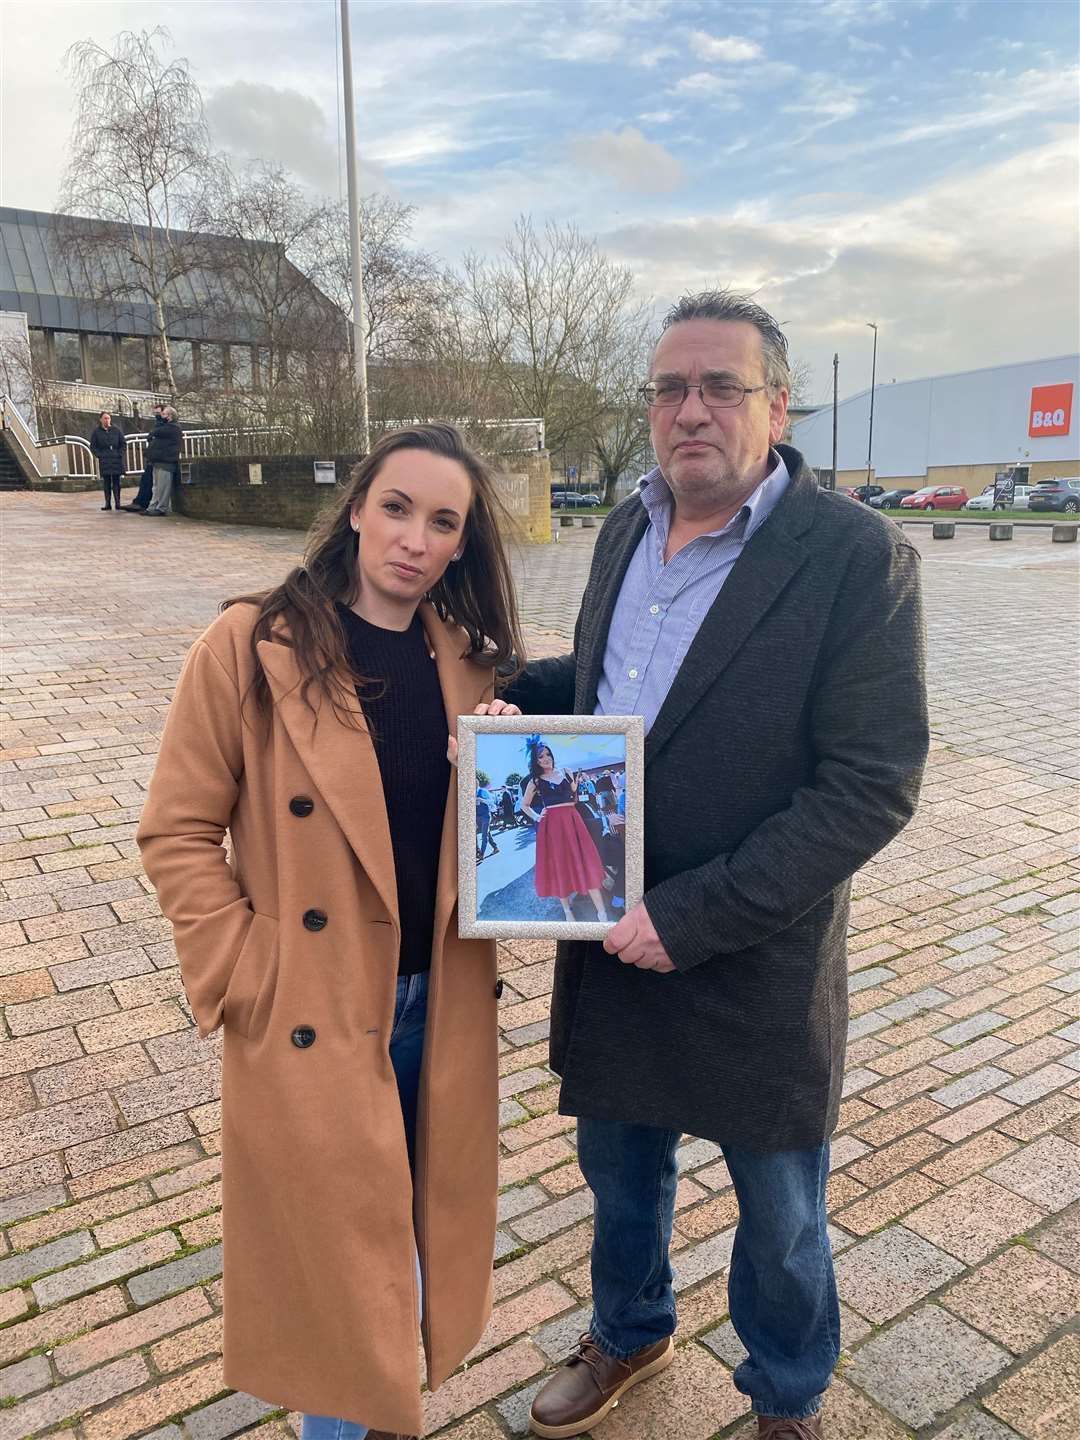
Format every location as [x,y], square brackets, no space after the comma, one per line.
[253,120]
[731,48]
[705,86]
[955,278]
[633,162]
[657,117]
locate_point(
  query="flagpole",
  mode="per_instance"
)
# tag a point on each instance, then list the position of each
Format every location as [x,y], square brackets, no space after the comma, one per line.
[359,317]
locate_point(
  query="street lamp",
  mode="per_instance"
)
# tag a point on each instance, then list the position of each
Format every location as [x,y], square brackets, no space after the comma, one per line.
[873,379]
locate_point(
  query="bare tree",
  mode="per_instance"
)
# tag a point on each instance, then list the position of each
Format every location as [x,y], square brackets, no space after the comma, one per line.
[139,158]
[403,286]
[620,432]
[550,319]
[802,382]
[267,251]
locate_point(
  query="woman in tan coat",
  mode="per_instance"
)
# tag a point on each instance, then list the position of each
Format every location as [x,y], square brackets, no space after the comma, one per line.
[359,1088]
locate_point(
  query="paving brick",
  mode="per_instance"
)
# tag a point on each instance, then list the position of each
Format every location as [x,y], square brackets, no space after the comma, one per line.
[127,1145]
[698,1262]
[149,1407]
[95,1072]
[77,1279]
[43,1258]
[1018,1299]
[877,1209]
[167,1279]
[960,1161]
[194,1343]
[1042,1400]
[972,1118]
[17,1381]
[881,1166]
[884,1275]
[523,1312]
[1060,1239]
[977,1425]
[123,1171]
[77,1216]
[482,1382]
[1046,1172]
[95,1388]
[924,1365]
[1036,1085]
[971,1028]
[974,1218]
[558,1215]
[884,1128]
[131,1333]
[36,1051]
[690,1400]
[545,1260]
[970,1087]
[225,1417]
[112,1031]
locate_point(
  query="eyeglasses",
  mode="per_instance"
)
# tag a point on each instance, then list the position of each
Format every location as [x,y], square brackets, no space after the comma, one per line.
[716,394]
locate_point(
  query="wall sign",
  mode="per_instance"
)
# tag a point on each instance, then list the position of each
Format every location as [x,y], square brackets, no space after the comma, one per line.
[1051,410]
[325,472]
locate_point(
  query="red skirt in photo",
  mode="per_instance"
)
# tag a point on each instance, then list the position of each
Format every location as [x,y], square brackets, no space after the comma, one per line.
[566,858]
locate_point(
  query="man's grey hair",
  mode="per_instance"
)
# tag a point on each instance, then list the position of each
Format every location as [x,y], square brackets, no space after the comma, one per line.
[168,412]
[729,305]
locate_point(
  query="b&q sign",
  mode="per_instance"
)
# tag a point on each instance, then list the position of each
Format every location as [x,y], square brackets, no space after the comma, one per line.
[1051,410]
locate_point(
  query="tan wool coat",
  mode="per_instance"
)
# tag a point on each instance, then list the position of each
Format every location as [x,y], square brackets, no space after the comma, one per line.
[292,945]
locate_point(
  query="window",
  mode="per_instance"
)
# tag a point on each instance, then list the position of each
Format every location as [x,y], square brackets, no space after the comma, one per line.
[263,378]
[67,355]
[39,353]
[182,353]
[100,359]
[211,366]
[240,367]
[134,363]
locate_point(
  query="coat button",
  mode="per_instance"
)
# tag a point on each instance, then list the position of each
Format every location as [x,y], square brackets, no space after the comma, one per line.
[301,805]
[303,1036]
[315,920]
[498,989]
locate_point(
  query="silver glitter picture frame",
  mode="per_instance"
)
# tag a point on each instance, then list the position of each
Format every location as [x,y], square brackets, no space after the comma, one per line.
[498,903]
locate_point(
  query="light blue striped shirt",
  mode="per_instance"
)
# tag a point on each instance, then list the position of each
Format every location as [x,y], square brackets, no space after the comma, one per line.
[660,607]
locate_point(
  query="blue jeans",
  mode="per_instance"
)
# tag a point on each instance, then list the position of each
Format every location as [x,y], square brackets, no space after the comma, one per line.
[406,1053]
[781,1286]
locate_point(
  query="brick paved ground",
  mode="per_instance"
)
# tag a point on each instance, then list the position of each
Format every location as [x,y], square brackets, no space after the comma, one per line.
[957,1167]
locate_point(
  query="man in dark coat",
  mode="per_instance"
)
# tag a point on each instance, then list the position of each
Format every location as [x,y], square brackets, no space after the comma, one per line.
[771,634]
[163,455]
[108,444]
[146,483]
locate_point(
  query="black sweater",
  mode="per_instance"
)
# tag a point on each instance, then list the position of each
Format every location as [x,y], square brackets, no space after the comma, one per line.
[407,718]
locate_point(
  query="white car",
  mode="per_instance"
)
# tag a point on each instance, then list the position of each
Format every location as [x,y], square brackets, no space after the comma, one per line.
[985,501]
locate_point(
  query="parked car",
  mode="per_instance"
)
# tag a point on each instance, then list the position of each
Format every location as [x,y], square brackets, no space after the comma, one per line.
[936,497]
[889,499]
[573,500]
[1021,497]
[867,493]
[982,501]
[1061,493]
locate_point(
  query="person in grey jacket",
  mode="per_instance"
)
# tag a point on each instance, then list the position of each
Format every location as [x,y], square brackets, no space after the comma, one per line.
[163,452]
[771,635]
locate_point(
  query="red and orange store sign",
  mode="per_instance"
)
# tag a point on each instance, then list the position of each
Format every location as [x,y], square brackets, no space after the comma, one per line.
[1051,410]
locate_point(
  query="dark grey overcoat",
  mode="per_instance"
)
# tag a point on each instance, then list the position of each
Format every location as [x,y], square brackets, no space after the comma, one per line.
[788,752]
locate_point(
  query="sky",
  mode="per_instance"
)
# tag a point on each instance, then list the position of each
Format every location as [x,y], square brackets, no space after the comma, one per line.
[908,162]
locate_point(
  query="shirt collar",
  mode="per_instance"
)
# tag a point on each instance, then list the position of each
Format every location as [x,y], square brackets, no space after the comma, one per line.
[657,498]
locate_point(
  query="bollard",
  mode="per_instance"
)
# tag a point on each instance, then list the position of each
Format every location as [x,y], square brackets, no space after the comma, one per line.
[588,522]
[1063,534]
[555,533]
[944,530]
[565,520]
[1001,532]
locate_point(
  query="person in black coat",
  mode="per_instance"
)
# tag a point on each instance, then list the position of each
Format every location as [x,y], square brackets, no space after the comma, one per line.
[146,483]
[782,752]
[163,454]
[108,445]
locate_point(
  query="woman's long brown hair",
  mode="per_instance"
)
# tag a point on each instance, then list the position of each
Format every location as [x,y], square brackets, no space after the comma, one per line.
[476,592]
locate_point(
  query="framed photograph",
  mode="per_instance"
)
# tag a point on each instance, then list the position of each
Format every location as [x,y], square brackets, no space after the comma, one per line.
[550,841]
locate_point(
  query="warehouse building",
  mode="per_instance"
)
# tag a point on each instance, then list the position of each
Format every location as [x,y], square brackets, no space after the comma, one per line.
[953,429]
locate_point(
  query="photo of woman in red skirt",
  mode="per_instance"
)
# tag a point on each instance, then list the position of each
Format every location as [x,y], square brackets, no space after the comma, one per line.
[567,860]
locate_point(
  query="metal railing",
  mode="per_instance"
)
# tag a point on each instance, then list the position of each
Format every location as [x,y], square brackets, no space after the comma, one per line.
[117,399]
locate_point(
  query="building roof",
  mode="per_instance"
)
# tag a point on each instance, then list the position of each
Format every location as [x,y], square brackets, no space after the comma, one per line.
[43,274]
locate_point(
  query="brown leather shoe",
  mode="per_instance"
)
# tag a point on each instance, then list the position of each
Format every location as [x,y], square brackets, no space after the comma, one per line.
[589,1384]
[775,1427]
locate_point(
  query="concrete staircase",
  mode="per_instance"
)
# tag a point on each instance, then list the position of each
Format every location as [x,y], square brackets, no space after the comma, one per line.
[11,477]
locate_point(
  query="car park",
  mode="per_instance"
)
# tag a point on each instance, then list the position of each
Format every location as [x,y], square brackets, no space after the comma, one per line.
[574,500]
[889,499]
[867,493]
[936,497]
[1061,493]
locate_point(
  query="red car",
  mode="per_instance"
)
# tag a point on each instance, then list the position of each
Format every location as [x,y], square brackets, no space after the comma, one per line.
[936,497]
